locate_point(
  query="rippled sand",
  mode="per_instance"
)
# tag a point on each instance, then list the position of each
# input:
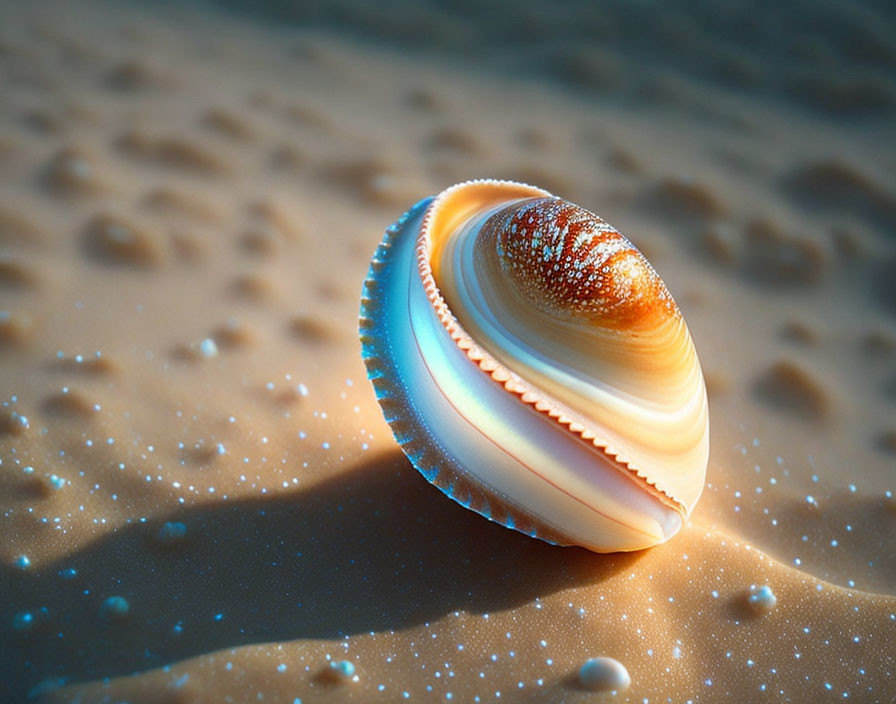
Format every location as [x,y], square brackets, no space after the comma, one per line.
[188,204]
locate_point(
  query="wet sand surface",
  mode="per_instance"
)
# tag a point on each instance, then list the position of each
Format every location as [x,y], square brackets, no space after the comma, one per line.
[188,205]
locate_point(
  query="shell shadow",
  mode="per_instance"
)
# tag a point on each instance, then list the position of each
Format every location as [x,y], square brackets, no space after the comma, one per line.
[376,548]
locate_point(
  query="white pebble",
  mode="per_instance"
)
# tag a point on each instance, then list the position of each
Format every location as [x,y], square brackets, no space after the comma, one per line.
[208,348]
[115,608]
[342,670]
[762,598]
[604,674]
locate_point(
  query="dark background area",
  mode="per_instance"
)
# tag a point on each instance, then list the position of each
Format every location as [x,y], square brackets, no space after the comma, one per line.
[836,57]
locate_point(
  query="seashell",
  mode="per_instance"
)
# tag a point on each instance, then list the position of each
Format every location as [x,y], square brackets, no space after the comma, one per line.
[533,366]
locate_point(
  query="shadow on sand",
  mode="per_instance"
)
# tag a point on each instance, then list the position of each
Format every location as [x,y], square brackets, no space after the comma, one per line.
[376,548]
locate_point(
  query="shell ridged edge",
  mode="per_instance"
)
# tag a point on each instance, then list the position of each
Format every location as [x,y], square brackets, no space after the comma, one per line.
[427,457]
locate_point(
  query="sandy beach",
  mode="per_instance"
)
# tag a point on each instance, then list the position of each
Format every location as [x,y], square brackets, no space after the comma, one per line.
[200,500]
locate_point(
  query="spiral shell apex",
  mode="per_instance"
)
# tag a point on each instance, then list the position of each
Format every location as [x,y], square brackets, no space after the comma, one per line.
[534,367]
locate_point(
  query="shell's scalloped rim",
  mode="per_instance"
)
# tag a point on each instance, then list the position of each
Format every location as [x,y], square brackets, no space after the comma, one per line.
[412,435]
[411,432]
[490,182]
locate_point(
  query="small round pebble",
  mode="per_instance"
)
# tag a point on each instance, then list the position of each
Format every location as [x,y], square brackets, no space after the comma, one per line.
[604,674]
[208,348]
[172,533]
[115,608]
[56,482]
[762,598]
[343,670]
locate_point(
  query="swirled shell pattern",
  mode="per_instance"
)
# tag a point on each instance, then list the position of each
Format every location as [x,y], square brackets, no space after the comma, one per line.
[534,367]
